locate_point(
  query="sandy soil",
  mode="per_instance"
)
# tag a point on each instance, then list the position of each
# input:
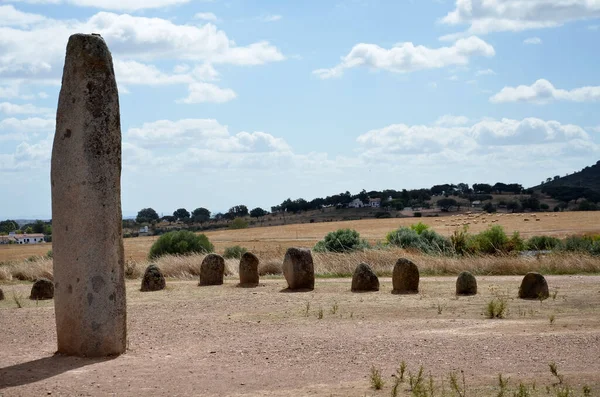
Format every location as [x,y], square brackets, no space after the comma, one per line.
[215,341]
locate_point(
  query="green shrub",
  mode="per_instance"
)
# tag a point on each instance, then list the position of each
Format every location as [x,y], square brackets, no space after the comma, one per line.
[238,223]
[428,241]
[181,242]
[234,252]
[540,243]
[342,240]
[491,241]
[419,227]
[578,243]
[417,214]
[460,241]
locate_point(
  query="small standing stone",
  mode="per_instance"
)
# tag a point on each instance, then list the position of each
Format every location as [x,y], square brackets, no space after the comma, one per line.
[153,279]
[298,269]
[42,289]
[212,270]
[534,286]
[1,295]
[364,279]
[249,270]
[466,284]
[405,278]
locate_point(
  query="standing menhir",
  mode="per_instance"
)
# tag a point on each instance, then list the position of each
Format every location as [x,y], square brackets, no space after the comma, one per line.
[249,270]
[86,205]
[212,270]
[364,279]
[42,289]
[153,279]
[1,295]
[298,269]
[534,286]
[405,278]
[466,284]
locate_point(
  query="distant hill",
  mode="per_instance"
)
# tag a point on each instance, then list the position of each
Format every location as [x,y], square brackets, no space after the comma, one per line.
[584,184]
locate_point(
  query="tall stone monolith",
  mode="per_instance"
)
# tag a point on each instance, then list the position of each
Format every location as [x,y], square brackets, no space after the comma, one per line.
[87,240]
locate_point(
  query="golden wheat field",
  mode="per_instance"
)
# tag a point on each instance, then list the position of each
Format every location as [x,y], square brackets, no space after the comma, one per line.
[272,241]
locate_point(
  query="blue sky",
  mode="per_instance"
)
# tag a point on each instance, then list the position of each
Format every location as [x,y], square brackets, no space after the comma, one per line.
[230,102]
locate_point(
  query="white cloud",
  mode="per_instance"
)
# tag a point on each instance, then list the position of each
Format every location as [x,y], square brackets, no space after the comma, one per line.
[206,16]
[504,141]
[12,108]
[485,72]
[132,72]
[30,124]
[532,40]
[206,92]
[13,17]
[271,18]
[118,5]
[485,16]
[406,57]
[451,120]
[542,91]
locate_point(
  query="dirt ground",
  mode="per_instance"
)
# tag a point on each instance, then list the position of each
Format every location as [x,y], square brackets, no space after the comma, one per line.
[223,340]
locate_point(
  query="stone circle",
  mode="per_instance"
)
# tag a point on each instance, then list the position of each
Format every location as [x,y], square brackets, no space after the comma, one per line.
[534,286]
[153,279]
[42,289]
[212,270]
[249,270]
[298,269]
[466,284]
[364,279]
[405,278]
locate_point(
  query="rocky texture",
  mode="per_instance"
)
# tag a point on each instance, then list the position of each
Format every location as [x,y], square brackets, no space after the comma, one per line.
[405,278]
[212,270]
[153,279]
[87,238]
[249,270]
[533,286]
[364,279]
[466,284]
[298,269]
[42,289]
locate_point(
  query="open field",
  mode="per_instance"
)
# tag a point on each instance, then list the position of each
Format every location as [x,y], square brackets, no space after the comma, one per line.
[215,341]
[270,242]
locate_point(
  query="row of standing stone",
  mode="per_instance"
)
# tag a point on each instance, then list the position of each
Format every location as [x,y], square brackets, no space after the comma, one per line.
[298,270]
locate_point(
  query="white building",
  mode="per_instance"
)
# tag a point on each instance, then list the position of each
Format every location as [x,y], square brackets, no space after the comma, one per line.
[356,203]
[375,202]
[14,238]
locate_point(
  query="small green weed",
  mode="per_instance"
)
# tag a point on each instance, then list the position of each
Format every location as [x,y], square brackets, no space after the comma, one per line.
[376,379]
[335,308]
[320,313]
[496,308]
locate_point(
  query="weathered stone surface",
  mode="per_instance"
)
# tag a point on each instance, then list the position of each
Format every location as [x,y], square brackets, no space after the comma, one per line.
[364,279]
[42,289]
[212,270]
[298,269]
[534,286]
[87,236]
[466,284]
[405,278]
[249,270]
[1,295]
[153,279]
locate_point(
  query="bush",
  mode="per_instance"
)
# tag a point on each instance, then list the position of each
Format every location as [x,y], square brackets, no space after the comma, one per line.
[417,214]
[491,241]
[428,241]
[489,208]
[419,227]
[540,243]
[238,223]
[460,241]
[181,242]
[342,240]
[234,252]
[383,215]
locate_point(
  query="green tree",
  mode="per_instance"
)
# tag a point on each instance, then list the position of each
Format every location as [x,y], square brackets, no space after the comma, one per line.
[238,223]
[200,215]
[258,212]
[238,211]
[8,226]
[446,203]
[342,240]
[182,242]
[39,226]
[181,214]
[146,215]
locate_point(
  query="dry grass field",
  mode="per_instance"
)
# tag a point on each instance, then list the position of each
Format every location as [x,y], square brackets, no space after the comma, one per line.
[228,341]
[271,242]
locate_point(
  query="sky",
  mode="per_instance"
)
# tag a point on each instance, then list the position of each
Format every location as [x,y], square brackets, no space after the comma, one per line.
[229,102]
